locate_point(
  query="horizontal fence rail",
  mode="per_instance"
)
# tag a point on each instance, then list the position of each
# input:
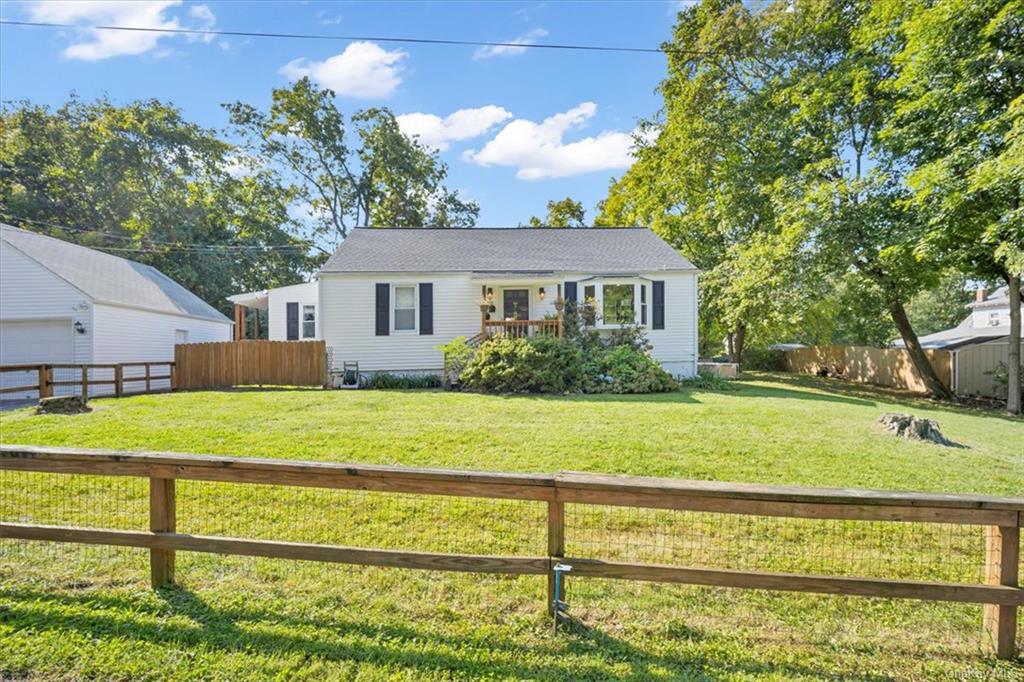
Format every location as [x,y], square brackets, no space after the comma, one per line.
[578,505]
[116,379]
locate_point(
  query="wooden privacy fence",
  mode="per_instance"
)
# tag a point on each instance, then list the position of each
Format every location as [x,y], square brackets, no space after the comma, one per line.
[998,518]
[120,379]
[880,366]
[250,363]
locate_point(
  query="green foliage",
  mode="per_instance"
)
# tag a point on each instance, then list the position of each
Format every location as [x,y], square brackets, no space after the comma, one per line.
[629,370]
[522,365]
[764,359]
[1001,378]
[380,179]
[457,351]
[583,362]
[388,381]
[706,381]
[564,213]
[141,181]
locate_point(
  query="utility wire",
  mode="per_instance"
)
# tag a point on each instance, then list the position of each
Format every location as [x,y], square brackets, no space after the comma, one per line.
[378,39]
[154,246]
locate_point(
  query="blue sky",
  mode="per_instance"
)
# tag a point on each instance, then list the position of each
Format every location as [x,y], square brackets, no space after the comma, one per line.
[529,125]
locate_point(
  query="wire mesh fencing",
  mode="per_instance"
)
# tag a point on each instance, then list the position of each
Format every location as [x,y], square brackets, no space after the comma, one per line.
[501,523]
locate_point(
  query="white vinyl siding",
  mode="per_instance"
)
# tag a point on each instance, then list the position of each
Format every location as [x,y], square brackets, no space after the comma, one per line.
[348,321]
[347,318]
[277,309]
[30,292]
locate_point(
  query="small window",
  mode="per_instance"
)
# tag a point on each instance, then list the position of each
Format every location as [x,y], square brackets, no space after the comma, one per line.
[619,307]
[588,311]
[405,308]
[643,304]
[993,319]
[308,321]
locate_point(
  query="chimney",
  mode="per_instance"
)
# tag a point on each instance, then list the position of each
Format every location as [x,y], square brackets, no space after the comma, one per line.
[980,295]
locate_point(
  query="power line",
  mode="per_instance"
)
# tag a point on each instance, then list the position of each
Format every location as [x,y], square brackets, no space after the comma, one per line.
[153,246]
[378,39]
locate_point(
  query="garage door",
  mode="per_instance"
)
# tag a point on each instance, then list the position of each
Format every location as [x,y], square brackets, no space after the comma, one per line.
[31,342]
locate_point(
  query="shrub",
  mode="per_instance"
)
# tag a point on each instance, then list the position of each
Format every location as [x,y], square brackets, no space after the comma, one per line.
[764,359]
[386,381]
[706,381]
[522,365]
[457,351]
[629,370]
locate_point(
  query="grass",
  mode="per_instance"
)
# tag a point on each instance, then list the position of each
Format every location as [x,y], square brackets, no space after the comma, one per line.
[86,612]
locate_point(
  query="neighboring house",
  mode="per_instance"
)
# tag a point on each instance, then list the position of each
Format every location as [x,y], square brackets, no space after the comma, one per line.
[64,303]
[989,320]
[389,297]
[977,345]
[290,312]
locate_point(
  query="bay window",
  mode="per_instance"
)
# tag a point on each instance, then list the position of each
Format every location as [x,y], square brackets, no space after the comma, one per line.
[619,304]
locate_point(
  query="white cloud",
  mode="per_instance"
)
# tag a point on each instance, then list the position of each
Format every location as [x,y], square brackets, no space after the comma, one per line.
[438,133]
[94,45]
[516,46]
[364,70]
[538,150]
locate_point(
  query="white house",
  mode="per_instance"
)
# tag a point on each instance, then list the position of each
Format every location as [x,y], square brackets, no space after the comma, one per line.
[64,303]
[290,312]
[389,297]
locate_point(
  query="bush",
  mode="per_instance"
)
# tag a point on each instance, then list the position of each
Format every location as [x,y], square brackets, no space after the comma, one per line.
[522,365]
[629,370]
[706,381]
[386,381]
[764,359]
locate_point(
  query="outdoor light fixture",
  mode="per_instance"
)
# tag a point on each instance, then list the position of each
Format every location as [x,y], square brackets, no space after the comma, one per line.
[541,292]
[79,327]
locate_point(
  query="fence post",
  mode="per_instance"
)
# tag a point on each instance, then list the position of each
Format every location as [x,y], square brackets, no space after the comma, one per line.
[556,548]
[1002,561]
[118,380]
[162,519]
[147,377]
[45,381]
[85,383]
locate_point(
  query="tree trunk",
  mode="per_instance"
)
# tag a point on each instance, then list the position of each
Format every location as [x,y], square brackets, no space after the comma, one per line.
[924,368]
[738,337]
[1013,357]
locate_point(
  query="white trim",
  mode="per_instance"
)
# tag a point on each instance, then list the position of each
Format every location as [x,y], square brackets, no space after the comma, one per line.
[415,308]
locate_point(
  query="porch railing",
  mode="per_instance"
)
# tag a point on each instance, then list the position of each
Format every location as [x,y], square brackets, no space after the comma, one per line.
[522,328]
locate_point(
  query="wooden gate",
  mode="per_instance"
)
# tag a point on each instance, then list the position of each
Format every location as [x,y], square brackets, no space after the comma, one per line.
[250,363]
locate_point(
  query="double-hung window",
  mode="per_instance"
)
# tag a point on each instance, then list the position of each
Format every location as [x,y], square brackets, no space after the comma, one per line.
[405,308]
[309,321]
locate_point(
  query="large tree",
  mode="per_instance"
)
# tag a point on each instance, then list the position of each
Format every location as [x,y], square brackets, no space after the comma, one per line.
[703,177]
[564,213]
[142,182]
[349,173]
[960,123]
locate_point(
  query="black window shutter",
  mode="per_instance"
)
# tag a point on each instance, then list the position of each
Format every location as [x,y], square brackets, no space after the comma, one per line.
[658,300]
[426,308]
[383,306]
[570,293]
[292,315]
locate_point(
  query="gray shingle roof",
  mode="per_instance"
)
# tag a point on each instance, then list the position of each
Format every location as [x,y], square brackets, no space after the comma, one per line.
[109,279]
[511,250]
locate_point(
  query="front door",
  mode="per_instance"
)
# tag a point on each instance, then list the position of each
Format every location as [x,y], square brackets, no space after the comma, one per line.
[517,304]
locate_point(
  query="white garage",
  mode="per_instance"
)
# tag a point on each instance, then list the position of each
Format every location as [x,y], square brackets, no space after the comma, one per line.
[64,303]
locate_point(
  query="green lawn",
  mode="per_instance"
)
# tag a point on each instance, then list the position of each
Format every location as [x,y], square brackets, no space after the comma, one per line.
[86,612]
